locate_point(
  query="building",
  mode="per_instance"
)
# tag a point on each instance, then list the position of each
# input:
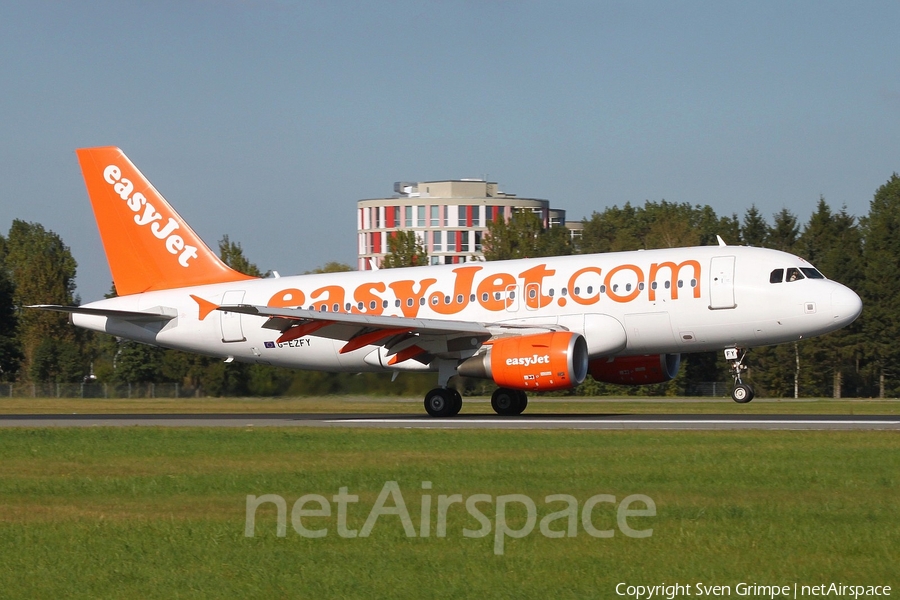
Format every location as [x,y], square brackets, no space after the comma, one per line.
[449,217]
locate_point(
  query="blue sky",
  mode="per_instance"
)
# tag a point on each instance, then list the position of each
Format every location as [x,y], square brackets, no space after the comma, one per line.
[268,120]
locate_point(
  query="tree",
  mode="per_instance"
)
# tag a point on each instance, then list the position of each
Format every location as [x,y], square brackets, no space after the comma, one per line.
[881,286]
[754,229]
[332,266]
[404,250]
[783,233]
[10,356]
[42,270]
[232,255]
[555,241]
[516,238]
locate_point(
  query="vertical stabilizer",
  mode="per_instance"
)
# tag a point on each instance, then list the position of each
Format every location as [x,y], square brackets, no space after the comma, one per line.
[148,245]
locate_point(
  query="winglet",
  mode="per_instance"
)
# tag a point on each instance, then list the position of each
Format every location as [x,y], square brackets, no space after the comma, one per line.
[148,245]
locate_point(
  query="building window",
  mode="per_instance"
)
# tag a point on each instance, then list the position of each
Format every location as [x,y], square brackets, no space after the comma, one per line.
[407,216]
[461,221]
[435,216]
[464,244]
[436,241]
[478,241]
[420,216]
[476,216]
[451,241]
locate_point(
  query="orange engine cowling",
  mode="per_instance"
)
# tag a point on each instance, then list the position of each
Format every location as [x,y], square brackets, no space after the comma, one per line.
[636,370]
[544,361]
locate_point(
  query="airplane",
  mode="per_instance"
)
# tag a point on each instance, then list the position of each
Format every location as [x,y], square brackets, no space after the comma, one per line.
[529,325]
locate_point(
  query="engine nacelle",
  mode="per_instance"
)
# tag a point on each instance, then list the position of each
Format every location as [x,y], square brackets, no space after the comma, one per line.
[544,361]
[636,370]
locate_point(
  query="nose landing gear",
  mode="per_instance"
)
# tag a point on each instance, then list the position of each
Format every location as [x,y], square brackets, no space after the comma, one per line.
[741,393]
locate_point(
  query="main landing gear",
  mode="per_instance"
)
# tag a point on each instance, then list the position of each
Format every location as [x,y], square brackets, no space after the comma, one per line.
[443,402]
[741,393]
[508,402]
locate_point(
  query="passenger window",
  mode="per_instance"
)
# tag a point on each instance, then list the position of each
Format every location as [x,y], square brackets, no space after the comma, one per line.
[794,274]
[812,273]
[777,276]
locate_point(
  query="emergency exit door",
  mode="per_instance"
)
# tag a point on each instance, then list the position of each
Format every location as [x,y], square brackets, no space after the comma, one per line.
[721,283]
[231,321]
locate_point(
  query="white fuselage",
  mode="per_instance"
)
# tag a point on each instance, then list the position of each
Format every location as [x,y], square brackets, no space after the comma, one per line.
[664,301]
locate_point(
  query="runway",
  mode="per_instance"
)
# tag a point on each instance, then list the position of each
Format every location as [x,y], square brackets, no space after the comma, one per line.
[526,421]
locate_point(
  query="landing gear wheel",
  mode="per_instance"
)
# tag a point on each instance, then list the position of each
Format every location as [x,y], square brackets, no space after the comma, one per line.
[523,402]
[742,393]
[507,402]
[457,402]
[441,402]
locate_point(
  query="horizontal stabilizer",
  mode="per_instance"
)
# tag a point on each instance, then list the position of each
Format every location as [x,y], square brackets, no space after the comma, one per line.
[164,314]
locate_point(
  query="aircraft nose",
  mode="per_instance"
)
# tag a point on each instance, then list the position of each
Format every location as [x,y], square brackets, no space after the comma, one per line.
[845,304]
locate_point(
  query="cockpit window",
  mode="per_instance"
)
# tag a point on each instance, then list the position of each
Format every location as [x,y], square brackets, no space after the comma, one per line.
[812,273]
[777,276]
[794,274]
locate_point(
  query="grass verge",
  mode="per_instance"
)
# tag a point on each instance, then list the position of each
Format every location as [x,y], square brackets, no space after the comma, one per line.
[158,512]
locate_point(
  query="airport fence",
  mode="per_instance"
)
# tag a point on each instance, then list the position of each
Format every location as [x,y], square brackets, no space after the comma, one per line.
[98,390]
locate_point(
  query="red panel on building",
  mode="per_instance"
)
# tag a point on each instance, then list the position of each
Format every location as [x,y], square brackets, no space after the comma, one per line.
[389,217]
[469,216]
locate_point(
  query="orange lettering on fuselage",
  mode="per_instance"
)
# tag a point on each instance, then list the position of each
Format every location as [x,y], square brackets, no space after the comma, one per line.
[404,292]
[611,290]
[533,280]
[462,289]
[493,291]
[334,301]
[590,299]
[371,303]
[674,270]
[285,298]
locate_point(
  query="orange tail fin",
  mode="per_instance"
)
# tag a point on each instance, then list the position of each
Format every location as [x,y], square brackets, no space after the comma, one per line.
[148,245]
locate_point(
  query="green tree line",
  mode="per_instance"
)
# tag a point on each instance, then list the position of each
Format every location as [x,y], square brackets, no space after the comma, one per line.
[36,267]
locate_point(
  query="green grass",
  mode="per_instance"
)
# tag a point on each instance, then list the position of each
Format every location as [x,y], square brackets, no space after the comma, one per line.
[160,513]
[476,405]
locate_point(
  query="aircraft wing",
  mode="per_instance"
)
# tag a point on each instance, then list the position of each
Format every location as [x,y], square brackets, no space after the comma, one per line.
[404,338]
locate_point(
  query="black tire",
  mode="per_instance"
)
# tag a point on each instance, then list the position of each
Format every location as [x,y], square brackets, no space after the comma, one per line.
[457,402]
[507,402]
[440,403]
[523,402]
[742,393]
